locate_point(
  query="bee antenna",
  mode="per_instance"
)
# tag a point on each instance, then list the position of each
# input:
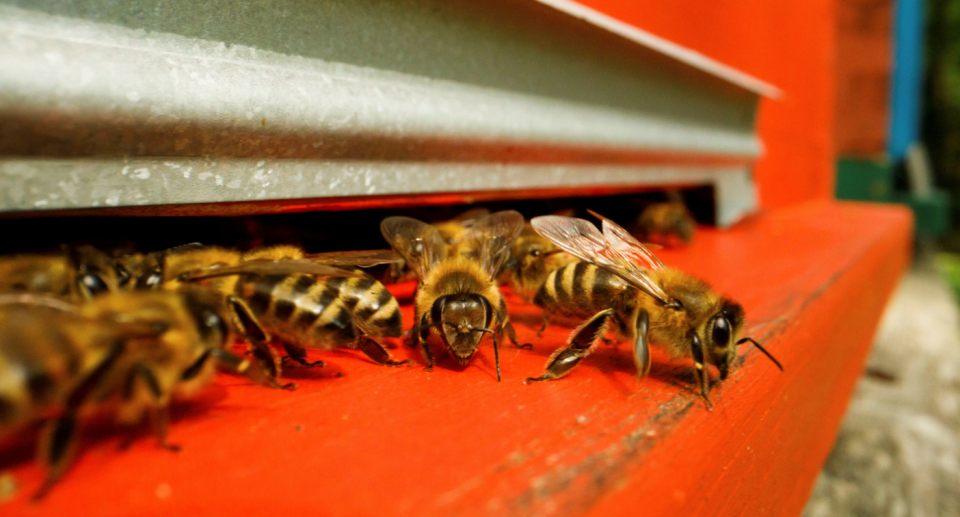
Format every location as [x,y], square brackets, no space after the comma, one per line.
[764,350]
[598,216]
[551,252]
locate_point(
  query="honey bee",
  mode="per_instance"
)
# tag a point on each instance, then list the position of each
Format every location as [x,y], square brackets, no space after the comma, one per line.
[664,223]
[128,353]
[532,259]
[457,297]
[79,273]
[281,295]
[452,232]
[622,286]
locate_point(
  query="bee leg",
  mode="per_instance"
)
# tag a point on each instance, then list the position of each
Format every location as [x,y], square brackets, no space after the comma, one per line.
[544,326]
[57,447]
[267,358]
[508,327]
[641,348]
[194,369]
[297,353]
[160,414]
[374,350]
[415,338]
[241,366]
[58,441]
[581,344]
[700,371]
[422,337]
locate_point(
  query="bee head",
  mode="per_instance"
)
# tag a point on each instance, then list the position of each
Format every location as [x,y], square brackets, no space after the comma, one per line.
[465,318]
[206,308]
[721,336]
[94,273]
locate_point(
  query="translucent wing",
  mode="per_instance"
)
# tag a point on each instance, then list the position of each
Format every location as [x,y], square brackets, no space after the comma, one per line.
[304,266]
[364,258]
[627,245]
[489,238]
[417,242]
[583,240]
[37,299]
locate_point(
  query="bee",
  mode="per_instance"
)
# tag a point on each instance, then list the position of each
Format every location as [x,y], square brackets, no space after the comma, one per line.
[128,353]
[281,295]
[452,232]
[621,286]
[532,259]
[79,273]
[664,223]
[457,297]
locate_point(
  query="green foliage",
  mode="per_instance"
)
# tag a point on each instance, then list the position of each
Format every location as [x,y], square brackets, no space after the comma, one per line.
[949,265]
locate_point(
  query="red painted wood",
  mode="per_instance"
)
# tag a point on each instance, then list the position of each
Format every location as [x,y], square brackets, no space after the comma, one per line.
[789,43]
[864,67]
[813,279]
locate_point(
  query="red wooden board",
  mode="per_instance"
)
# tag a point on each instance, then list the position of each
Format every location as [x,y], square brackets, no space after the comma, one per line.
[357,438]
[791,44]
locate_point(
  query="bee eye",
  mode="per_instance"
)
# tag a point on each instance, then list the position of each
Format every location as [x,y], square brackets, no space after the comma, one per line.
[123,276]
[93,283]
[213,321]
[150,281]
[535,253]
[721,332]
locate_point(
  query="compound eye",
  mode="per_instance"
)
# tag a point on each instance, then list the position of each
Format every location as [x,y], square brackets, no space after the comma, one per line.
[721,332]
[213,321]
[150,281]
[535,253]
[93,283]
[123,276]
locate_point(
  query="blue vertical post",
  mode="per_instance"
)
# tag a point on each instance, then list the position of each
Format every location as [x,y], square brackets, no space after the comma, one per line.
[905,108]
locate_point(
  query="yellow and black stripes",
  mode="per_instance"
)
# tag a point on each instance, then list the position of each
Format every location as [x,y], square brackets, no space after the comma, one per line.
[325,313]
[578,290]
[374,308]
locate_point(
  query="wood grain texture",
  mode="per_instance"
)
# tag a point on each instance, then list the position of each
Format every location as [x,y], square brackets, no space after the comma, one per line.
[401,441]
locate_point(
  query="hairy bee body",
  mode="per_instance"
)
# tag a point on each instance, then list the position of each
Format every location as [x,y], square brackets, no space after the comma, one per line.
[623,287]
[124,353]
[458,298]
[532,259]
[322,313]
[38,361]
[78,273]
[663,223]
[579,291]
[298,310]
[453,277]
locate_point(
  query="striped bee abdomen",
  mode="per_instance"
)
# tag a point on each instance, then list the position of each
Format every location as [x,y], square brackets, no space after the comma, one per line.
[300,309]
[577,291]
[375,310]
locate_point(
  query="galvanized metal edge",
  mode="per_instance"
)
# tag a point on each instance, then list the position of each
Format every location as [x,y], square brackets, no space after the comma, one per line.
[32,185]
[682,54]
[77,77]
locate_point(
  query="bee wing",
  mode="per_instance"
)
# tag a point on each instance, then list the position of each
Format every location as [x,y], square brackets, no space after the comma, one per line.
[583,240]
[628,245]
[364,258]
[416,241]
[491,237]
[270,267]
[42,300]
